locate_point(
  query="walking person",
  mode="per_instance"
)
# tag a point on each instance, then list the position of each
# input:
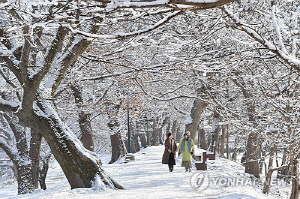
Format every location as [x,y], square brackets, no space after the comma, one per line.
[186,146]
[170,152]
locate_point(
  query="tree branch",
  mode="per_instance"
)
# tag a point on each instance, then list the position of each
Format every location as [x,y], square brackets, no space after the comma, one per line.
[8,106]
[289,60]
[199,4]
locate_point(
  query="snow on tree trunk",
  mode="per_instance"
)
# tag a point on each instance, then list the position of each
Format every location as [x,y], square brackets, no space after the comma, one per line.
[79,165]
[22,161]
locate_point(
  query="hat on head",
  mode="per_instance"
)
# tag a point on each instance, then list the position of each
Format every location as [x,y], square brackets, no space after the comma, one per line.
[188,133]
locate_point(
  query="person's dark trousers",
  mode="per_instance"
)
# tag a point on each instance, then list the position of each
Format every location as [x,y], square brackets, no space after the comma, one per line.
[171,162]
[171,167]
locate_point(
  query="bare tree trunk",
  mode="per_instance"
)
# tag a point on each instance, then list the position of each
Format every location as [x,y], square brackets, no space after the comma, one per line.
[252,156]
[222,146]
[203,140]
[227,145]
[160,136]
[43,171]
[23,162]
[173,129]
[143,139]
[168,129]
[25,184]
[285,171]
[196,111]
[217,139]
[215,132]
[234,154]
[270,169]
[155,133]
[262,162]
[295,180]
[178,134]
[165,122]
[252,143]
[87,134]
[34,153]
[117,147]
[136,142]
[79,165]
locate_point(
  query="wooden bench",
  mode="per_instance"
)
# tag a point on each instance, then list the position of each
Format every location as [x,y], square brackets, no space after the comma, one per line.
[201,165]
[212,154]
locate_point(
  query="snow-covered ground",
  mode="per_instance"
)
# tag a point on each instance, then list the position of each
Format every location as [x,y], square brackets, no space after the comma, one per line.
[146,177]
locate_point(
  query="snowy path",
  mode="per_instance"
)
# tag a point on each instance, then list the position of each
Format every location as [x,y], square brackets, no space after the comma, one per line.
[146,177]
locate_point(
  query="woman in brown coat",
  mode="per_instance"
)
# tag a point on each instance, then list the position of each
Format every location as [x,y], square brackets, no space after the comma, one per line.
[170,152]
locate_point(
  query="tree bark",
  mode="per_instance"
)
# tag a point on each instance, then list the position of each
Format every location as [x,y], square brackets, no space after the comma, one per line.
[143,139]
[295,181]
[178,134]
[222,146]
[43,171]
[203,140]
[173,129]
[155,133]
[79,164]
[196,111]
[87,134]
[270,169]
[117,147]
[34,153]
[215,132]
[252,142]
[252,156]
[137,145]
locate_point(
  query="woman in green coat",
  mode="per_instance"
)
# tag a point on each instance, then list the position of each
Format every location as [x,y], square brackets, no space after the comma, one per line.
[186,146]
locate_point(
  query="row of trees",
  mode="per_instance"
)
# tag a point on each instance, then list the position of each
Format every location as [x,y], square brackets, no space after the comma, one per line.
[95,62]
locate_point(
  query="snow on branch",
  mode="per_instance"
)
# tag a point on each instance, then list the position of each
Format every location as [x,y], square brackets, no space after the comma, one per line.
[8,106]
[200,4]
[281,53]
[134,33]
[8,149]
[6,4]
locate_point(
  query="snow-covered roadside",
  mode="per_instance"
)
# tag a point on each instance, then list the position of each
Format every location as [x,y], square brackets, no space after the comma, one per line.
[146,177]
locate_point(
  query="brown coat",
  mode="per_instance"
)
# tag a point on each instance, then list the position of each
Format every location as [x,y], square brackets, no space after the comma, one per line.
[165,158]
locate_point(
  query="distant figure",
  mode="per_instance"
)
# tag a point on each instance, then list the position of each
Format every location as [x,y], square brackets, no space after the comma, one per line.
[170,152]
[186,146]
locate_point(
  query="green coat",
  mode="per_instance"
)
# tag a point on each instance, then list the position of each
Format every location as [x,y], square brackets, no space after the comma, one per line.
[186,155]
